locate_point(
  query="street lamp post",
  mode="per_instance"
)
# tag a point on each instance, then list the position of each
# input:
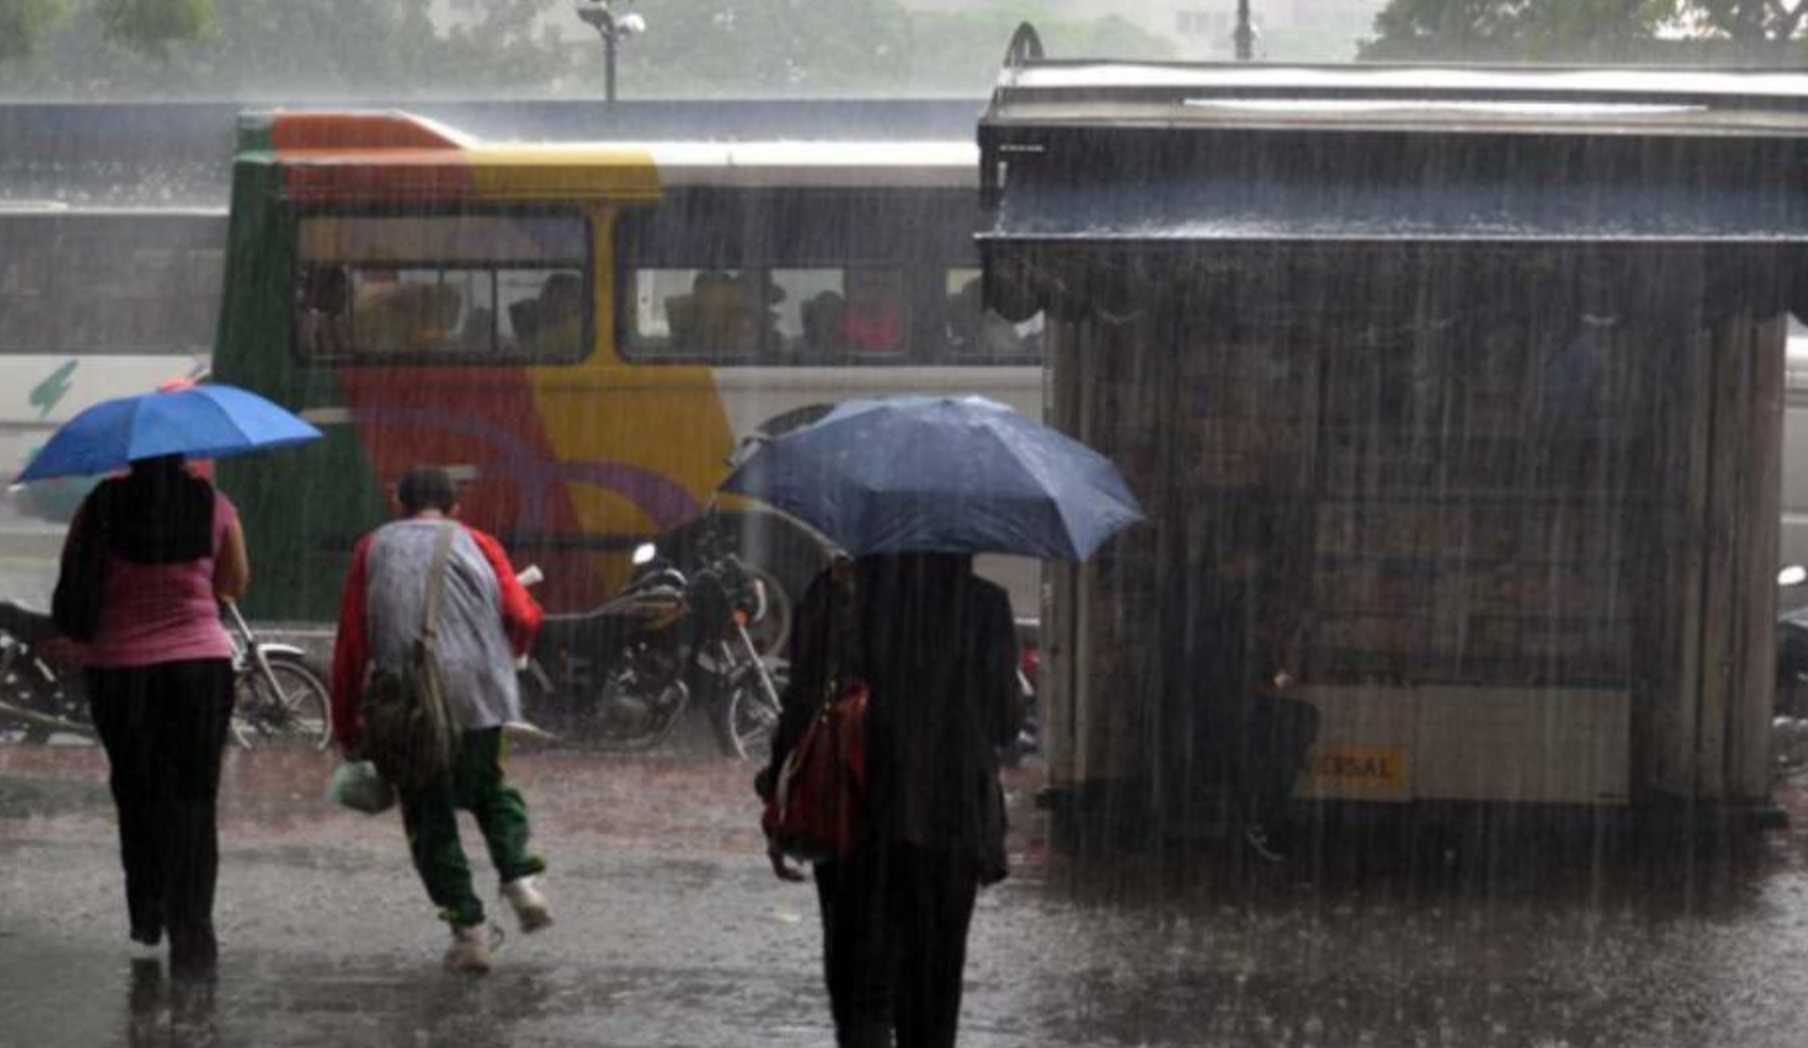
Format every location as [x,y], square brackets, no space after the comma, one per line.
[612,27]
[1245,35]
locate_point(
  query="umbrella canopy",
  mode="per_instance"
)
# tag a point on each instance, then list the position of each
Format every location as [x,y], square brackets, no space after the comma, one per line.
[199,422]
[941,474]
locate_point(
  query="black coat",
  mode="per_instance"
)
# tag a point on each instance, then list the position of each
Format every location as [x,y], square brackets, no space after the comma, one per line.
[938,650]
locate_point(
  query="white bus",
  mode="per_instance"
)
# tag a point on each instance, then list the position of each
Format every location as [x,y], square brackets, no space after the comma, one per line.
[94,303]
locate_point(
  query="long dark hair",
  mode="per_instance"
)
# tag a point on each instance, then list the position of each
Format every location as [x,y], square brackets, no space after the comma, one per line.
[159,514]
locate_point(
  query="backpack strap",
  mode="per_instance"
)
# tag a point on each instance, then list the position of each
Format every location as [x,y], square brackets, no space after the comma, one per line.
[436,580]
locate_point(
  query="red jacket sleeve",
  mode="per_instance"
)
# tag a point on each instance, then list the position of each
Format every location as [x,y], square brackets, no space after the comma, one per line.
[521,613]
[351,653]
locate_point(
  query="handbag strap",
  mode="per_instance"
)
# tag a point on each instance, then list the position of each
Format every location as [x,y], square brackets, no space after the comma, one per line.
[436,580]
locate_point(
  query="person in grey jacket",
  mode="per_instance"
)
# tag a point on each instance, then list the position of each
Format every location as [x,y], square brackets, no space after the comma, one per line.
[486,618]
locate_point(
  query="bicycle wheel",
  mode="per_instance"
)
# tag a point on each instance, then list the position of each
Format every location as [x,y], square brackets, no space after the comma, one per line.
[296,711]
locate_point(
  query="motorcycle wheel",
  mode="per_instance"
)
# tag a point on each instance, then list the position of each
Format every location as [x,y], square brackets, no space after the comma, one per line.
[24,688]
[771,632]
[746,718]
[298,712]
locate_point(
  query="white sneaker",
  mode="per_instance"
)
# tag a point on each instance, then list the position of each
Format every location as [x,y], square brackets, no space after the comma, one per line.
[470,949]
[524,895]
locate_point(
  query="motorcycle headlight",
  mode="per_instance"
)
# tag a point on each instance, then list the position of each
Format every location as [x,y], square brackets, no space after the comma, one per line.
[644,553]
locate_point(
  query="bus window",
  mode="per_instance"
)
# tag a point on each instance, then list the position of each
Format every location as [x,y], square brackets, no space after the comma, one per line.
[205,275]
[468,286]
[973,332]
[26,319]
[1795,361]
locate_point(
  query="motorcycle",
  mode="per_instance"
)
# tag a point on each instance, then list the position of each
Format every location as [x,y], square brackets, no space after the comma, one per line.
[278,696]
[622,675]
[1789,723]
[40,689]
[1029,672]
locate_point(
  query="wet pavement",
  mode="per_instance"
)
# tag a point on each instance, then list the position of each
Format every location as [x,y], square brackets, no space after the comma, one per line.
[671,931]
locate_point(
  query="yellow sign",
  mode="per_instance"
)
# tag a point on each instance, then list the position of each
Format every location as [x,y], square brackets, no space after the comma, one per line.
[1357,773]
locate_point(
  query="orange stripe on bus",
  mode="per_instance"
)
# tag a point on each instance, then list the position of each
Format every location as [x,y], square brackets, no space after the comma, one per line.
[414,176]
[350,131]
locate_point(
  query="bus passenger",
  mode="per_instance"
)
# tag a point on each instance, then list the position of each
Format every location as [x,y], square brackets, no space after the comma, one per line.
[974,330]
[403,316]
[821,318]
[558,316]
[873,320]
[325,322]
[721,316]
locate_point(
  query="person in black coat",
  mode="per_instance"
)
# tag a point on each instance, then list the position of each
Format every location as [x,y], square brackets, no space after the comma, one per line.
[938,649]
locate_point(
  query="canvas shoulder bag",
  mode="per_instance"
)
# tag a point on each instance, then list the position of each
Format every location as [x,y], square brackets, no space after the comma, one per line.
[409,732]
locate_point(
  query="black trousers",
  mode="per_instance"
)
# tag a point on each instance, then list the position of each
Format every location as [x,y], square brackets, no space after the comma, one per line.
[1279,736]
[164,727]
[894,922]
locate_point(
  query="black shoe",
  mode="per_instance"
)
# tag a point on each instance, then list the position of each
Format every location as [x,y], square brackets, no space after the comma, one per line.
[193,951]
[147,935]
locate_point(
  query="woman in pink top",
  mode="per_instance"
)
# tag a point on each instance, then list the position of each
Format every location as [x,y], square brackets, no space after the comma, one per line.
[160,685]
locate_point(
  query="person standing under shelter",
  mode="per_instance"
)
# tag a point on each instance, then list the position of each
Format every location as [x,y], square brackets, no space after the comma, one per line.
[1243,739]
[938,649]
[486,618]
[159,670]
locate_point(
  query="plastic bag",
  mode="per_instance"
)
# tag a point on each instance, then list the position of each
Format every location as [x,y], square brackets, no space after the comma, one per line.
[359,786]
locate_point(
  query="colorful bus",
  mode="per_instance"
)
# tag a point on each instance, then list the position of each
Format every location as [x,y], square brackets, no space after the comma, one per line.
[584,333]
[94,303]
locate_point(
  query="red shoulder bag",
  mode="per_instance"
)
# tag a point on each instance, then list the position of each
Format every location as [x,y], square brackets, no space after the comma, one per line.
[815,809]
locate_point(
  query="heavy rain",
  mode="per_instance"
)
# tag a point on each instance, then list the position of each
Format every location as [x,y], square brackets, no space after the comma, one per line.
[1222,522]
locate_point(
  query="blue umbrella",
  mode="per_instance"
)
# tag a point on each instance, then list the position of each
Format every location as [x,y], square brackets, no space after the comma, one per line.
[941,474]
[199,422]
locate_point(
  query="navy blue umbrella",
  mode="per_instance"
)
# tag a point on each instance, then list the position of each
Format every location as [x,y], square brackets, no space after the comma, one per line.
[198,422]
[941,474]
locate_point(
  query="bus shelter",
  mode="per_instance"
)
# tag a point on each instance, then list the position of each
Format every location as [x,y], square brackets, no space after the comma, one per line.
[1458,391]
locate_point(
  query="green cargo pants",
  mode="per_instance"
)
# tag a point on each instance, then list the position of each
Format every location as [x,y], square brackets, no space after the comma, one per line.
[476,784]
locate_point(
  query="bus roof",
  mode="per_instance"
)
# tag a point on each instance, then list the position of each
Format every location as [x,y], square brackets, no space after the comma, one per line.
[15,208]
[350,154]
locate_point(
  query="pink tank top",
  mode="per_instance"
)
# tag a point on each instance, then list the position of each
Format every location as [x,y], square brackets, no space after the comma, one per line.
[153,613]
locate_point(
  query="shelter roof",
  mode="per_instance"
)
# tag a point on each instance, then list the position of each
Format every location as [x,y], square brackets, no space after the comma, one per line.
[1413,97]
[1401,154]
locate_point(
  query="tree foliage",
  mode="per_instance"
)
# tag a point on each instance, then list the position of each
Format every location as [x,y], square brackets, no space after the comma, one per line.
[733,47]
[961,50]
[1752,20]
[1590,30]
[151,25]
[1515,30]
[401,49]
[22,22]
